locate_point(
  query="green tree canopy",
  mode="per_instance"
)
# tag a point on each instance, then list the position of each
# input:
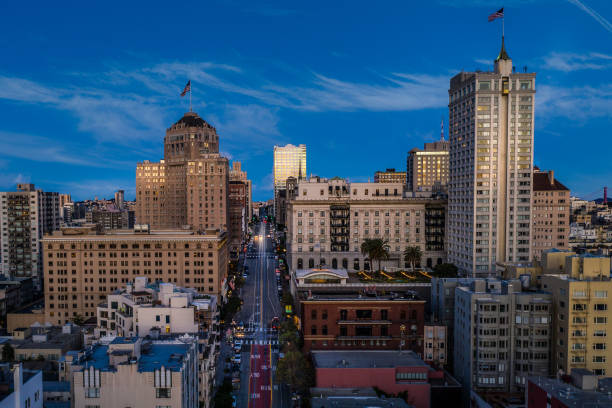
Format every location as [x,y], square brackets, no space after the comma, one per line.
[412,255]
[446,270]
[376,249]
[8,352]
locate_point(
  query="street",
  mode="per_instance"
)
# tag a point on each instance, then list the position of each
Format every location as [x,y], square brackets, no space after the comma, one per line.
[260,344]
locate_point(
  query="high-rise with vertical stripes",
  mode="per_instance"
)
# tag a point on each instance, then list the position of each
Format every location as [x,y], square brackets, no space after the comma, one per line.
[491,158]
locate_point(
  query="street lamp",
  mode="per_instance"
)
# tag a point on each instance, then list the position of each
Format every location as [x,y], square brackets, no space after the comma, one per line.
[402,331]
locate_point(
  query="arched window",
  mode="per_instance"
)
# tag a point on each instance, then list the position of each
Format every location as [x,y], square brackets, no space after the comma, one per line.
[322,262]
[356,264]
[429,263]
[439,261]
[300,263]
[311,263]
[345,263]
[366,265]
[334,263]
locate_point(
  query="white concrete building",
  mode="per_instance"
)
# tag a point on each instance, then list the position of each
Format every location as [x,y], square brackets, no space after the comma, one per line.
[162,309]
[491,163]
[25,387]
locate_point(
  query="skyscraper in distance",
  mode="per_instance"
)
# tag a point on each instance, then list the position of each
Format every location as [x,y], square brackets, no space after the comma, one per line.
[491,156]
[289,161]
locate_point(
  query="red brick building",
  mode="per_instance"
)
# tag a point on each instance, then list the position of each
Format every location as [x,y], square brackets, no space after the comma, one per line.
[359,321]
[237,215]
[392,372]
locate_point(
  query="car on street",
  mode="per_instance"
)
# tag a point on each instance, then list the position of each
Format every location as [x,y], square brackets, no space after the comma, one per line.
[237,359]
[245,275]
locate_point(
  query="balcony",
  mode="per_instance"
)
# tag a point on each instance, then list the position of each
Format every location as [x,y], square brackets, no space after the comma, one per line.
[359,338]
[362,321]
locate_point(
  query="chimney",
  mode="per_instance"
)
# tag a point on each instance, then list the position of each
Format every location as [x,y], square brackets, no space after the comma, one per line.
[551,177]
[17,383]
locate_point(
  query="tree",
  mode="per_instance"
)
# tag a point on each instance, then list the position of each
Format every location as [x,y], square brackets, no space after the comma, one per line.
[78,319]
[446,270]
[413,255]
[223,396]
[288,333]
[376,249]
[293,369]
[8,352]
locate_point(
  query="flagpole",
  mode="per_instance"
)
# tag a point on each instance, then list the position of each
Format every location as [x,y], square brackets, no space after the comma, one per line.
[503,18]
[190,110]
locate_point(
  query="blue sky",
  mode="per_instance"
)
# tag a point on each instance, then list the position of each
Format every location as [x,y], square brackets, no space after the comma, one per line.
[87,90]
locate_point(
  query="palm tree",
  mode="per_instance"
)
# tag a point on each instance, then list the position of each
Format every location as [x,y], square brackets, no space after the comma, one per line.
[375,249]
[413,255]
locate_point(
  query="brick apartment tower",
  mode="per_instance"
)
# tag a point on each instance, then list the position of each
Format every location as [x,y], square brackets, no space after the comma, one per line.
[551,213]
[189,188]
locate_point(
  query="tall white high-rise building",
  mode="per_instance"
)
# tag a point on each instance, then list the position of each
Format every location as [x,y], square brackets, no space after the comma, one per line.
[491,157]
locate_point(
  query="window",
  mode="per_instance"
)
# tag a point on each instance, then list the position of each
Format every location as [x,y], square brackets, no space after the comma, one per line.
[363,314]
[92,393]
[313,330]
[601,294]
[162,393]
[601,306]
[313,314]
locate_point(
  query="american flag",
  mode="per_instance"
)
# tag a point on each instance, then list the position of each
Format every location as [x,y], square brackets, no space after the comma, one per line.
[498,14]
[187,88]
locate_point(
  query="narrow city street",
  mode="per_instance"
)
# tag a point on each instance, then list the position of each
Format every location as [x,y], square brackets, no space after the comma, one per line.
[261,305]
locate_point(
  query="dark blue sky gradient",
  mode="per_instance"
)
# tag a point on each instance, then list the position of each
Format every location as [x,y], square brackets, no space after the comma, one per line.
[87,90]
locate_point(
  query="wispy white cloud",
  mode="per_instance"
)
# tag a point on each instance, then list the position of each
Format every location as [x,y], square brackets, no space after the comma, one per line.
[396,92]
[265,184]
[595,15]
[86,189]
[9,180]
[120,117]
[567,61]
[577,103]
[42,149]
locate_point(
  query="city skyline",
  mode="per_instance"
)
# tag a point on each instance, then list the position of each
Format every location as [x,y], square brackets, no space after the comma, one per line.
[101,108]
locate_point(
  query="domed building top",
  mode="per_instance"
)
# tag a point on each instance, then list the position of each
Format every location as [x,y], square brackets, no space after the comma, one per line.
[191,119]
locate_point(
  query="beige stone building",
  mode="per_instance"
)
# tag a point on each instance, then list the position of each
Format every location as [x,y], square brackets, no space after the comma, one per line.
[328,220]
[582,315]
[82,268]
[491,157]
[435,342]
[550,213]
[390,176]
[427,169]
[137,373]
[189,187]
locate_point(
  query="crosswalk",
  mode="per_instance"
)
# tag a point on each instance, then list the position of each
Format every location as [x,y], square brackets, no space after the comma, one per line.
[249,342]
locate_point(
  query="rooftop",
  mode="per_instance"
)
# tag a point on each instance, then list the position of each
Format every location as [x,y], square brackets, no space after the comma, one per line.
[305,273]
[571,396]
[366,359]
[153,355]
